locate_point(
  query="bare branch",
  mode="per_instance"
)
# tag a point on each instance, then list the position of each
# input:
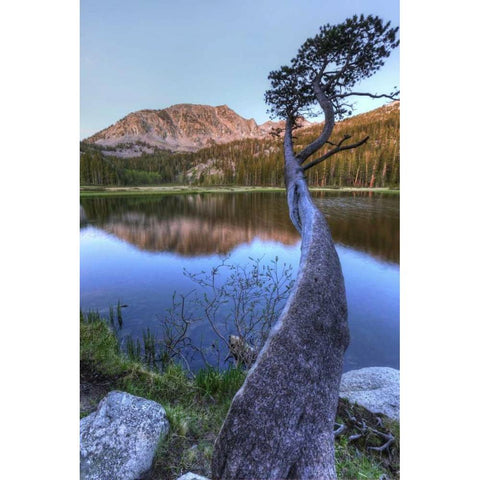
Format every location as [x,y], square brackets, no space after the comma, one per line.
[393,96]
[386,436]
[390,440]
[212,306]
[334,151]
[346,137]
[200,350]
[187,364]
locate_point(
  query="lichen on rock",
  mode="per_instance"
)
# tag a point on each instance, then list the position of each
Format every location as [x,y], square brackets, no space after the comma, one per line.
[118,440]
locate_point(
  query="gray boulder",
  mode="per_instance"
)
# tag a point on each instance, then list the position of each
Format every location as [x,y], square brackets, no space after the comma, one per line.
[375,388]
[192,476]
[118,440]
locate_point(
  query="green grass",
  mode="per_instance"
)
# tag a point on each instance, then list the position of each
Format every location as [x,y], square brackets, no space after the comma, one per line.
[87,191]
[103,191]
[222,385]
[99,347]
[351,464]
[195,407]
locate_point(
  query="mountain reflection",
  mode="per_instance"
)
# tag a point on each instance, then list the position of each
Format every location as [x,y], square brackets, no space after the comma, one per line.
[203,224]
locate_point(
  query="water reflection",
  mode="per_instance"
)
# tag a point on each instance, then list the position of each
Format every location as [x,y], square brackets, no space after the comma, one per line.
[199,224]
[134,249]
[369,222]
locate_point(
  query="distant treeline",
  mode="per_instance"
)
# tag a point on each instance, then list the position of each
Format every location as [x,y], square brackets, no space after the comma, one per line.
[160,167]
[259,162]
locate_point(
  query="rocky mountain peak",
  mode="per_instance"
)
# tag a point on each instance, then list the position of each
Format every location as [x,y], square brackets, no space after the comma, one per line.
[181,127]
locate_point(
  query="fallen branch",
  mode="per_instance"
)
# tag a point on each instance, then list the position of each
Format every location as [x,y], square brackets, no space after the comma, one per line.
[384,446]
[351,438]
[339,430]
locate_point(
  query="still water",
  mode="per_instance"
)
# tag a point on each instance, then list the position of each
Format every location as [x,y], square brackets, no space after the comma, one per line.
[135,249]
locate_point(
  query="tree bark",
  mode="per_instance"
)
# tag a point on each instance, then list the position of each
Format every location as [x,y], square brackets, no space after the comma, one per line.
[328,125]
[281,422]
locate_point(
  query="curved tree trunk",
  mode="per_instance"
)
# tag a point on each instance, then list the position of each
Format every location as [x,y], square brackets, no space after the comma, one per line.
[280,423]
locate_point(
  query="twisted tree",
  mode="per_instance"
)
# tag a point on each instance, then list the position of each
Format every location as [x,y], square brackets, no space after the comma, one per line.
[280,424]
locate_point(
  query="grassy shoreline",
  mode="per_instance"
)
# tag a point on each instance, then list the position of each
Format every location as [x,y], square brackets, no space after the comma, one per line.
[90,191]
[196,408]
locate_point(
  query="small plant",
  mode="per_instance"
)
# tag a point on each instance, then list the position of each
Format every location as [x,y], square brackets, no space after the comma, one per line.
[149,348]
[134,349]
[90,317]
[112,317]
[237,302]
[119,315]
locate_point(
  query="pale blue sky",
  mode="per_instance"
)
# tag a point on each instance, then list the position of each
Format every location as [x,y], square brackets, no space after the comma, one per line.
[156,53]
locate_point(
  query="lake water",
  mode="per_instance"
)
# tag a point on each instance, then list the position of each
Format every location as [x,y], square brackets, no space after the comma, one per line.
[134,249]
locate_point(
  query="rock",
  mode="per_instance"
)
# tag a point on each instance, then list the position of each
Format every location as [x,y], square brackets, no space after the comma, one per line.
[375,388]
[118,440]
[192,476]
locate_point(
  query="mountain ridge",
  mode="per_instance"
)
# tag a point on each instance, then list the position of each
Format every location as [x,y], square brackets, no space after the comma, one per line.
[182,127]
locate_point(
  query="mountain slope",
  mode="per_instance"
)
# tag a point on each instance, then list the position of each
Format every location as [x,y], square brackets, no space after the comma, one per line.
[257,160]
[183,127]
[260,161]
